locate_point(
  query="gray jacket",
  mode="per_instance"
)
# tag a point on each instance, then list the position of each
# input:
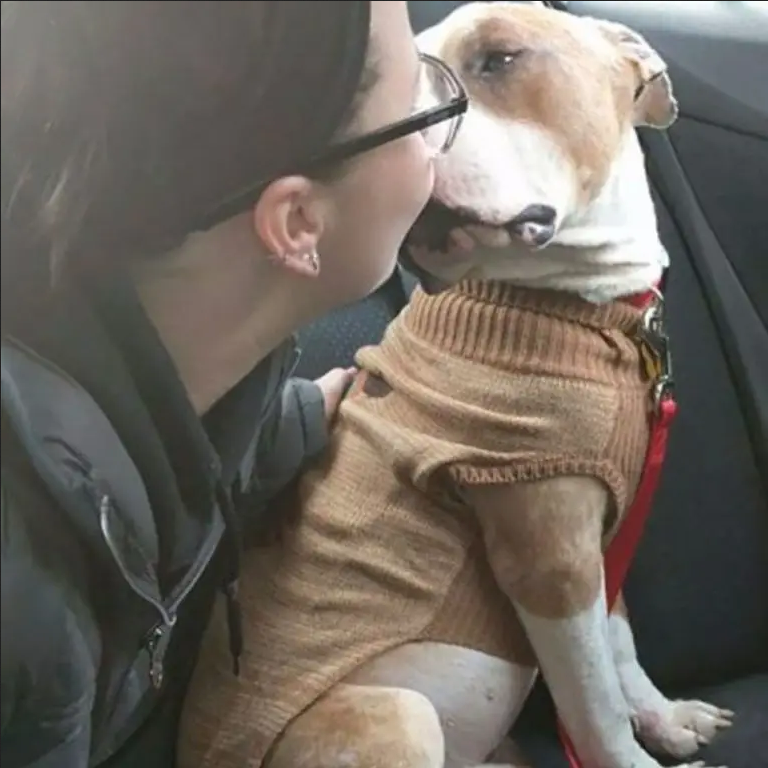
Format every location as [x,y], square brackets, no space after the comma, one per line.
[121,517]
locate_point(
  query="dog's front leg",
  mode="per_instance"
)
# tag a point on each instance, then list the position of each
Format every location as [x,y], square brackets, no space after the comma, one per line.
[675,728]
[543,541]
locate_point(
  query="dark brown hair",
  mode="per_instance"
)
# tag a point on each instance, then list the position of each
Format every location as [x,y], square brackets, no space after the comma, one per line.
[124,123]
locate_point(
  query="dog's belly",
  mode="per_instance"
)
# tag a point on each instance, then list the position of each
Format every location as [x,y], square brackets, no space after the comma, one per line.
[477,696]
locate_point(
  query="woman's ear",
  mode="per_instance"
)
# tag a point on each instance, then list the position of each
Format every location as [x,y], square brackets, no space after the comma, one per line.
[655,103]
[289,220]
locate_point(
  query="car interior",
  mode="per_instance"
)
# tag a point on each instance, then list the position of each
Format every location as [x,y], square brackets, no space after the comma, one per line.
[698,589]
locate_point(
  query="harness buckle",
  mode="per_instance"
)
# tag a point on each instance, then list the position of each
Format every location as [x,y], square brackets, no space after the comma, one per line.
[655,348]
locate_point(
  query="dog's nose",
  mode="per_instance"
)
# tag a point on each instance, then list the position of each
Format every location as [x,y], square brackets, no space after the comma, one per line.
[535,225]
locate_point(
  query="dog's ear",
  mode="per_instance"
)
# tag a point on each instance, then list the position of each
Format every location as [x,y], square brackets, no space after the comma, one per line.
[655,103]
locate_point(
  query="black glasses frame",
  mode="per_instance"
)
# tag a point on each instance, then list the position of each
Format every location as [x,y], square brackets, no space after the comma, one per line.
[419,122]
[357,145]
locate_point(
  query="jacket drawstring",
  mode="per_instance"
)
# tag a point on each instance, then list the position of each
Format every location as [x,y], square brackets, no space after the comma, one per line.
[231,583]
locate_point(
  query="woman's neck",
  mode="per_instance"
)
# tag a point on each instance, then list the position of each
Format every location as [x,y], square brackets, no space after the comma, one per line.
[220,306]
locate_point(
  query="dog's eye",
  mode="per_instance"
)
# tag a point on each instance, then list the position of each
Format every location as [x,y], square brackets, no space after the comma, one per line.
[496,62]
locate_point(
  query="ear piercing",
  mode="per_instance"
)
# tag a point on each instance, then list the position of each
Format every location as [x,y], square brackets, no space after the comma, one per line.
[310,258]
[313,259]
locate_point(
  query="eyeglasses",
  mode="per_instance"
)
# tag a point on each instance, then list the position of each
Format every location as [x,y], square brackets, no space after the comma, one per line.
[440,110]
[441,106]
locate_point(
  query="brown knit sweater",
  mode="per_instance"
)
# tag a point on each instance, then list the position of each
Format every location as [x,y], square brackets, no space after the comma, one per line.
[484,383]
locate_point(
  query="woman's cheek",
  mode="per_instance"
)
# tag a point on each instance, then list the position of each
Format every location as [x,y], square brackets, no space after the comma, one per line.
[421,172]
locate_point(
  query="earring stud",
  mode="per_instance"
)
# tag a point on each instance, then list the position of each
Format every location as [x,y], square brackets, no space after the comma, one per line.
[313,259]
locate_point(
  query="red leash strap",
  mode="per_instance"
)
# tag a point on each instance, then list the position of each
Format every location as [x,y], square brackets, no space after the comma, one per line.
[619,555]
[620,552]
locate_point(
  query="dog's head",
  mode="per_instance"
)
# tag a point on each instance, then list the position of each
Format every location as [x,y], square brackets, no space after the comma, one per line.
[552,100]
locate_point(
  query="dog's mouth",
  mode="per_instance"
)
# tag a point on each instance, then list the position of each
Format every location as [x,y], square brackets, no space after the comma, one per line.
[439,225]
[443,235]
[435,224]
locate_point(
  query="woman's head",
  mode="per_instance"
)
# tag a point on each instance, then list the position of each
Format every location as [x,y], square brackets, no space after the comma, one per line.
[128,126]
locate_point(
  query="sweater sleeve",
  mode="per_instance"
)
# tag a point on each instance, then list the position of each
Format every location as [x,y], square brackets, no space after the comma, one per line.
[296,432]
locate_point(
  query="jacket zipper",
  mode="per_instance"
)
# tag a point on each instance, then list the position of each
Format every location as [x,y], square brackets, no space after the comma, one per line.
[157,644]
[158,639]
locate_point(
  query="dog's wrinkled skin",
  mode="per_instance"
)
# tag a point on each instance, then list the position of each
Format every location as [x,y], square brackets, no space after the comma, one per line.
[555,99]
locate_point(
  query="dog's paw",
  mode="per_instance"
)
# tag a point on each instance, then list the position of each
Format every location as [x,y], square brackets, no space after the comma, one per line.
[682,728]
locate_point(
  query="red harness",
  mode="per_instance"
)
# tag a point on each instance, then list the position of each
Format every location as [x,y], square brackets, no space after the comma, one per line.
[654,347]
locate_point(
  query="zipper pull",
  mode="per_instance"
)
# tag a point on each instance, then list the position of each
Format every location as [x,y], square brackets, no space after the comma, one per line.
[156,645]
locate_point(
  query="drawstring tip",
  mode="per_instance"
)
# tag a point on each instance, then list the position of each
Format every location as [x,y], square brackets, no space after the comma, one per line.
[234,624]
[234,614]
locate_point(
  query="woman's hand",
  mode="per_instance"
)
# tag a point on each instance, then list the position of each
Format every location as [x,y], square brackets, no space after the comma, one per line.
[334,385]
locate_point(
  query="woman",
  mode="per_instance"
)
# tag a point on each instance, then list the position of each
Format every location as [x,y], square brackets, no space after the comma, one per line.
[184,185]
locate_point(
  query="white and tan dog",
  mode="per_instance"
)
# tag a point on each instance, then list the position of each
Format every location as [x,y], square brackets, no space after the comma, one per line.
[545,187]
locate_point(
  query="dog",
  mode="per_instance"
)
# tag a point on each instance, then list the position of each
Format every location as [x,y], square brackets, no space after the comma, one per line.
[446,550]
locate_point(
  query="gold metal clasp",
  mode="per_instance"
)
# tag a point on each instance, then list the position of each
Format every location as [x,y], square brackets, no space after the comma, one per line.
[655,349]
